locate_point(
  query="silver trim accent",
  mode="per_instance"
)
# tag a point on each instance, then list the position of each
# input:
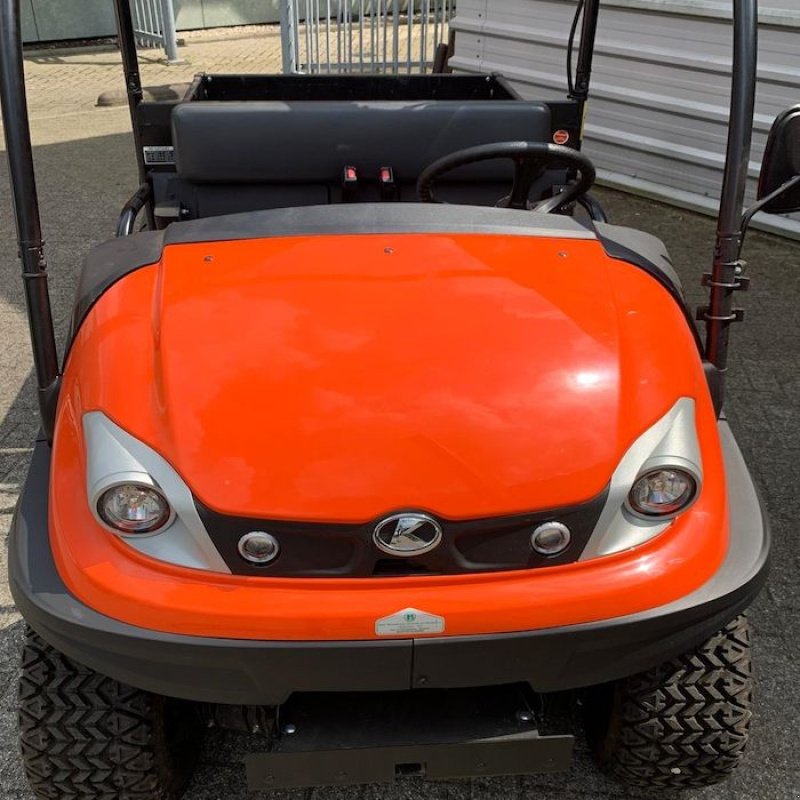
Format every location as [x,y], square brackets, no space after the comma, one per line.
[673,439]
[405,527]
[114,456]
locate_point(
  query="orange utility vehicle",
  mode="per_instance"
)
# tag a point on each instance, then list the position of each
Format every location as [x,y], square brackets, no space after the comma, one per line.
[379,438]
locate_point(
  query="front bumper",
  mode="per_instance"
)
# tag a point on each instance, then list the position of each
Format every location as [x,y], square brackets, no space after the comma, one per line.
[252,672]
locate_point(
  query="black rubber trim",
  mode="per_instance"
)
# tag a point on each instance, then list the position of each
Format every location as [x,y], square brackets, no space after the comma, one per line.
[254,672]
[620,252]
[106,264]
[373,218]
[714,379]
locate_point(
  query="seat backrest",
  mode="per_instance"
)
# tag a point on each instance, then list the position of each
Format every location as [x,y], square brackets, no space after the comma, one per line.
[239,156]
[267,142]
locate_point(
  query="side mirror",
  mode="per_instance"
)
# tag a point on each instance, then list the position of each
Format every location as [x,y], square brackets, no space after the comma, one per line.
[781,166]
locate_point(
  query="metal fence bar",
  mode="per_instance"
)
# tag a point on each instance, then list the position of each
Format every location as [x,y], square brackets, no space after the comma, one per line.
[328,30]
[315,5]
[349,29]
[426,15]
[387,37]
[307,32]
[362,14]
[154,26]
[373,30]
[170,34]
[137,17]
[378,36]
[296,17]
[395,15]
[288,50]
[410,20]
[339,35]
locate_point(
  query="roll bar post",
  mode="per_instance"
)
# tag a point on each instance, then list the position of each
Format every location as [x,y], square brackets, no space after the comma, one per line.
[126,39]
[724,279]
[583,71]
[26,211]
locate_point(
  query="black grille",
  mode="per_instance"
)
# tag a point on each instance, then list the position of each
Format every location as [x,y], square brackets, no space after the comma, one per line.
[315,549]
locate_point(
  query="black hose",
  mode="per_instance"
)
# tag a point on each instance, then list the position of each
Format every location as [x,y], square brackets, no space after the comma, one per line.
[131,209]
[571,46]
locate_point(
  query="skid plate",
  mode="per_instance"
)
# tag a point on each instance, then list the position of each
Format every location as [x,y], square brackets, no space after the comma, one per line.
[340,739]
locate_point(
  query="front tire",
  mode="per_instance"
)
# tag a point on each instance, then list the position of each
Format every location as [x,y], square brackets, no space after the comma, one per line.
[87,736]
[683,724]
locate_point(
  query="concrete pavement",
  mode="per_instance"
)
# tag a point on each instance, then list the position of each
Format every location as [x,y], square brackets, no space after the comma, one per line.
[86,171]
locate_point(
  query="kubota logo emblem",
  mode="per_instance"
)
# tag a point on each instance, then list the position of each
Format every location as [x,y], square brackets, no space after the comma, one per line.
[407,534]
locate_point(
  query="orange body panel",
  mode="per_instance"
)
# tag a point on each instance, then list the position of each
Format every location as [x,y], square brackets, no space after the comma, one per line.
[340,378]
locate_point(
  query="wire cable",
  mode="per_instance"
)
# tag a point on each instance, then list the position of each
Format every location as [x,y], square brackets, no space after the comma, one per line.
[571,45]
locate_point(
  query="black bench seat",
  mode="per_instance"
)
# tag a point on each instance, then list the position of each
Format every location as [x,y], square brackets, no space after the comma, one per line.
[241,156]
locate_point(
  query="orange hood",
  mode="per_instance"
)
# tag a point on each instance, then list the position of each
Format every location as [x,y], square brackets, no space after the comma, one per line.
[338,378]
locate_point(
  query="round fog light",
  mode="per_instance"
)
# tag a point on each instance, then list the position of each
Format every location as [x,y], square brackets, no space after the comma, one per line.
[134,508]
[258,547]
[662,492]
[550,539]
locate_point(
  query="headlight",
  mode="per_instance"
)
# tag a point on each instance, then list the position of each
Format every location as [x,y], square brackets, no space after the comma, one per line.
[659,476]
[662,492]
[136,494]
[134,508]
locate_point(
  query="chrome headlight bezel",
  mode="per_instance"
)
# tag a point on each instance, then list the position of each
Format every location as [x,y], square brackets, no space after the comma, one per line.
[670,441]
[141,482]
[115,457]
[666,463]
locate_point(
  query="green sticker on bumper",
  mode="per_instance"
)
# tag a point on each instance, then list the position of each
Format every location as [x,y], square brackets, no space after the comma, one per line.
[409,621]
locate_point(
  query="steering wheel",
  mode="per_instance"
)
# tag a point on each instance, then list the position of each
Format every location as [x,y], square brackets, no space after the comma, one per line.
[531,160]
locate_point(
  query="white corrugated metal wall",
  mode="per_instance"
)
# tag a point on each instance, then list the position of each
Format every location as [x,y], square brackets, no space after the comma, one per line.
[661,84]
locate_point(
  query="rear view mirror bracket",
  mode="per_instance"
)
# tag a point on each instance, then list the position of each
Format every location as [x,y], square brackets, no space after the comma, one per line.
[763,203]
[779,182]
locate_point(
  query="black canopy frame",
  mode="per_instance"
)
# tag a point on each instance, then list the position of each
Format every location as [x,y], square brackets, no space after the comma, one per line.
[723,279]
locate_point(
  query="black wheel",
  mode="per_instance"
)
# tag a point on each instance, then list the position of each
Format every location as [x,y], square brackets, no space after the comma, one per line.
[88,736]
[683,724]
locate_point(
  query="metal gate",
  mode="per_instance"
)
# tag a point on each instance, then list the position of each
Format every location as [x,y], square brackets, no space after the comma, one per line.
[154,25]
[378,36]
